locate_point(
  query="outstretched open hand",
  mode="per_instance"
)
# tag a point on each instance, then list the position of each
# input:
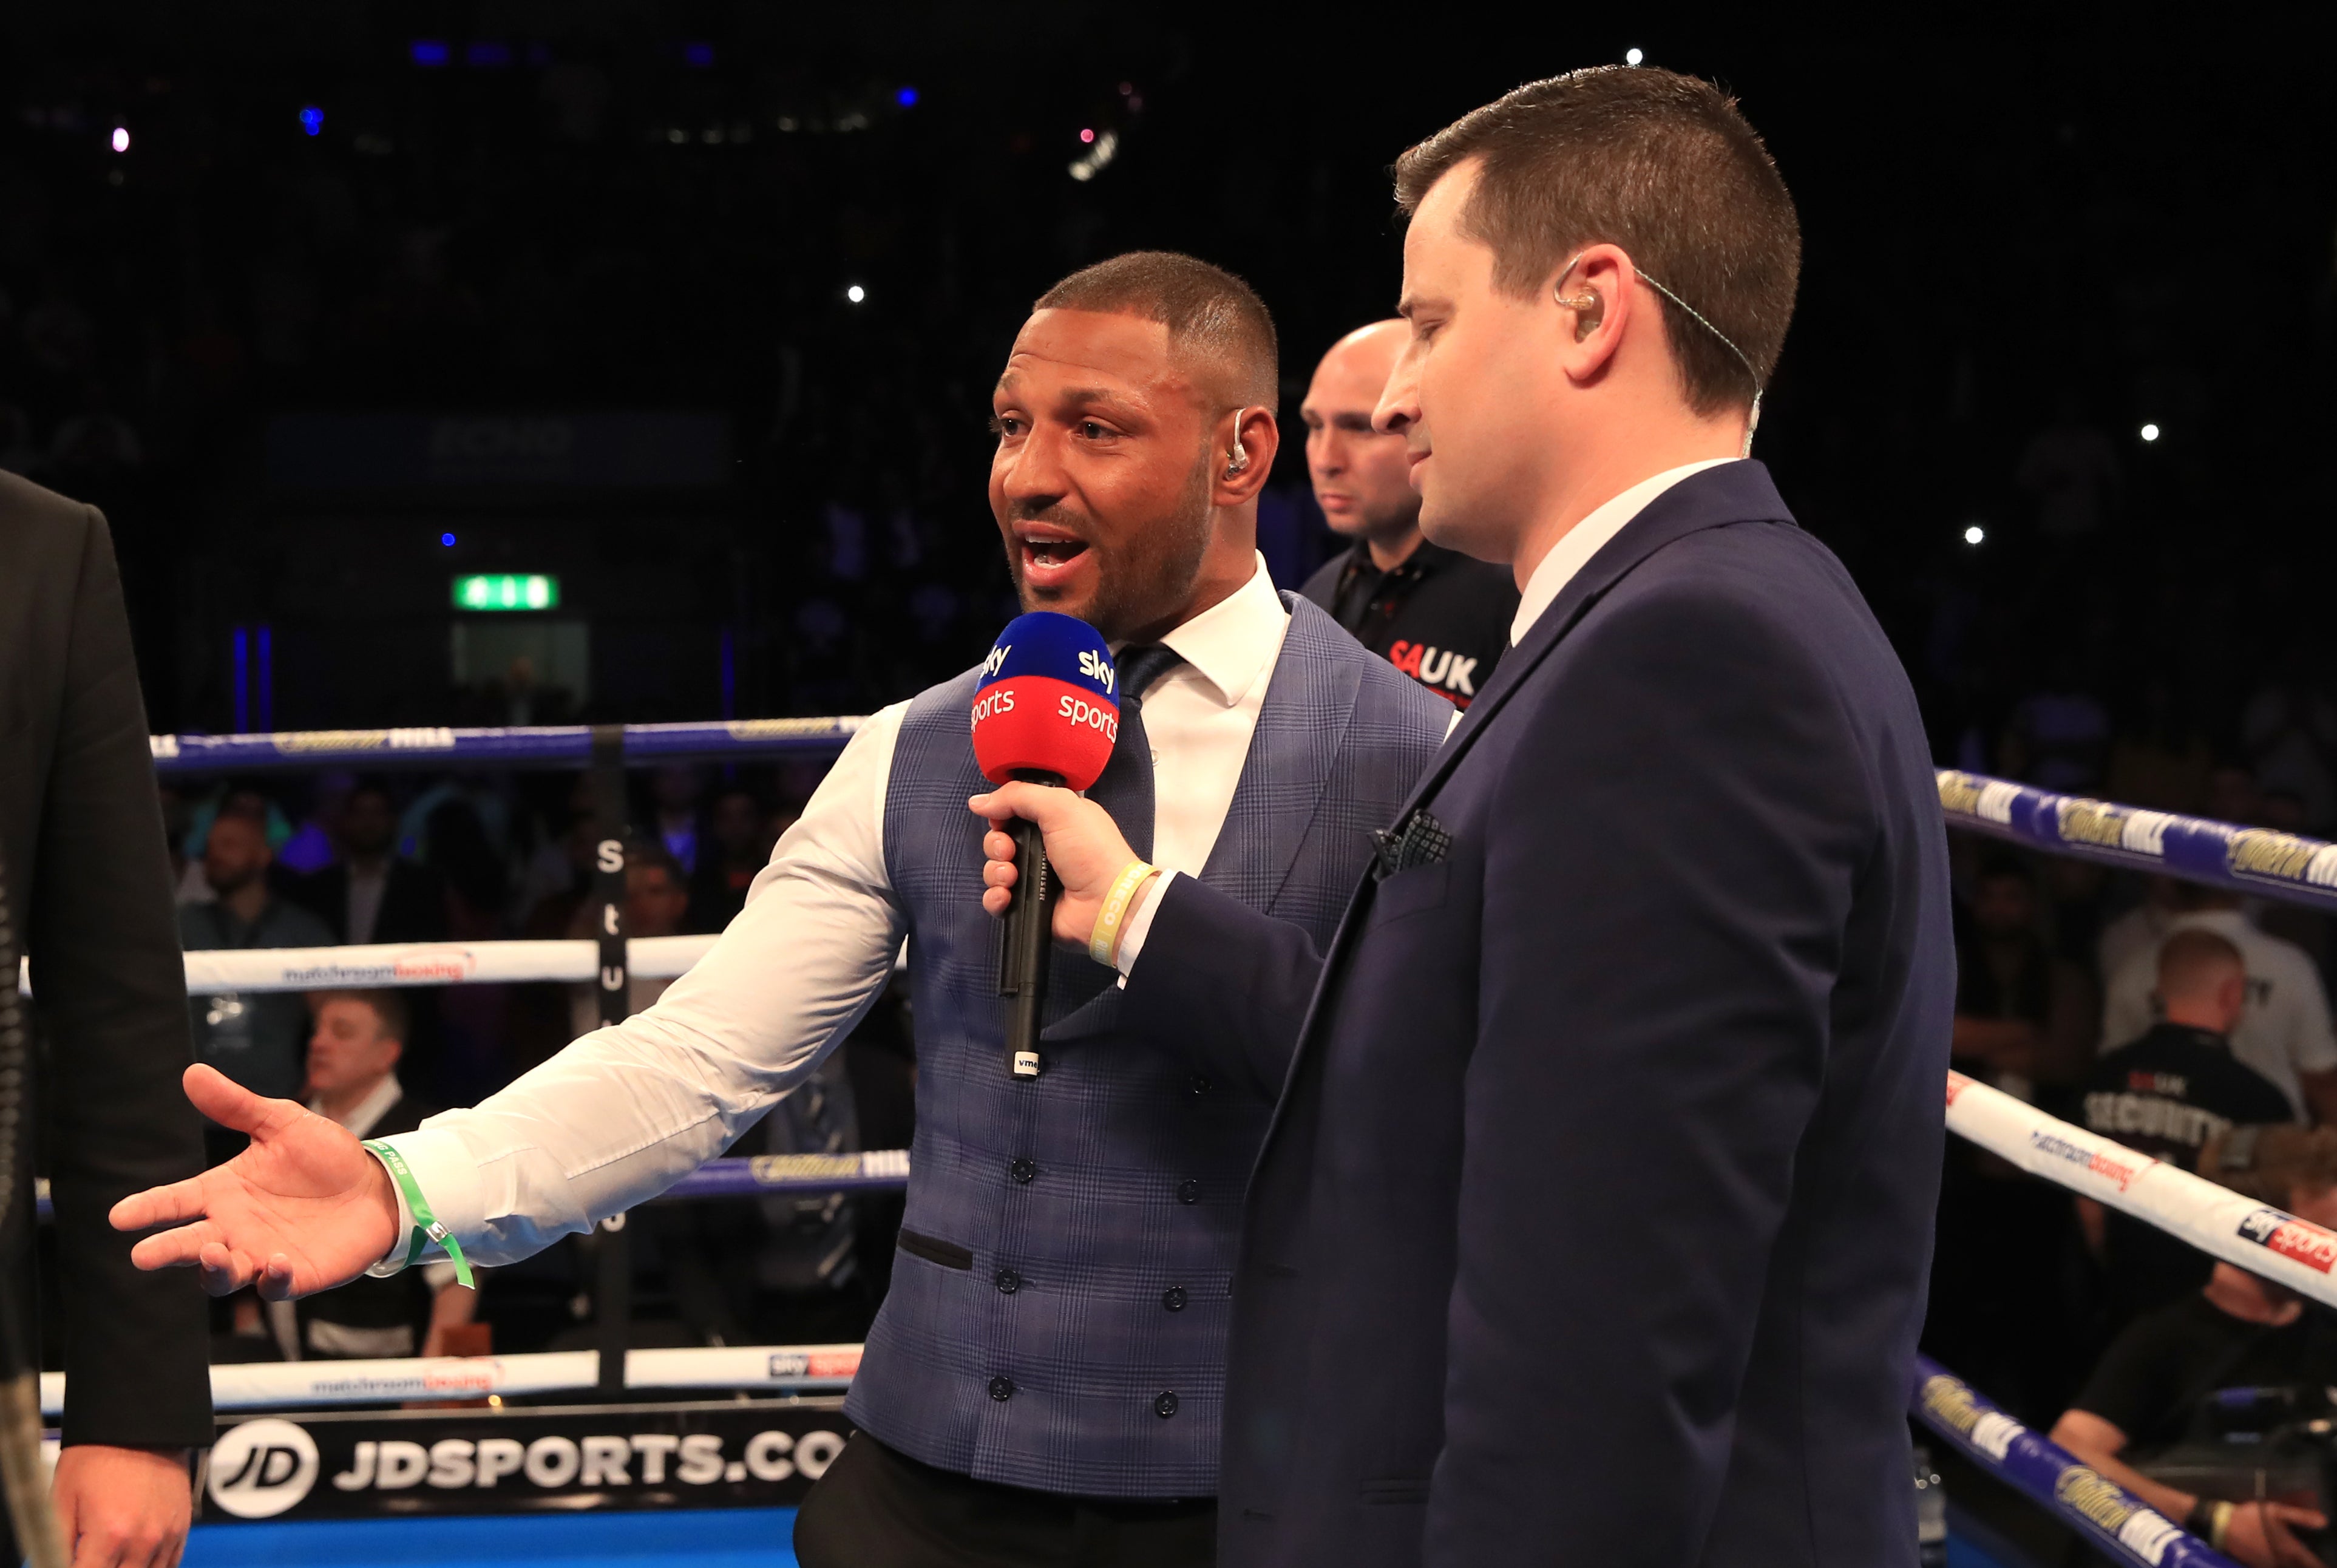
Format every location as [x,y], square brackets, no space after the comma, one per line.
[303,1208]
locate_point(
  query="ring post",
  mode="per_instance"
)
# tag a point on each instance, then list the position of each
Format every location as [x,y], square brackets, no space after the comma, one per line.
[612,1294]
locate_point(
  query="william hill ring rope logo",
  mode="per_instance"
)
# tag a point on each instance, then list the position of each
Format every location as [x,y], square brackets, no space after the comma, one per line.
[424,740]
[1989,1431]
[786,729]
[2281,858]
[2084,1491]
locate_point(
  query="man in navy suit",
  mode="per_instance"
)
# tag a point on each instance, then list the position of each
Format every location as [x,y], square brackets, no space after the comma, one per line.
[1594,1219]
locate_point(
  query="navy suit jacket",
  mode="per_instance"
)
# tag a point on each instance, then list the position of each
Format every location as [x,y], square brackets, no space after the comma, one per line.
[1594,1221]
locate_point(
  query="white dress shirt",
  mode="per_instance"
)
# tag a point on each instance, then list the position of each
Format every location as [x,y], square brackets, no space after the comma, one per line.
[1555,570]
[1587,538]
[627,1111]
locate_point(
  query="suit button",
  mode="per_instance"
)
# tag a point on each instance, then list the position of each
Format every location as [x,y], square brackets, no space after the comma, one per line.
[1008,1281]
[1188,1192]
[1199,1084]
[1001,1389]
[1165,1406]
[1022,1170]
[1174,1298]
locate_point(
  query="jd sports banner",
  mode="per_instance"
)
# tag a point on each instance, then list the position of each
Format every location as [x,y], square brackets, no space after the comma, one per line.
[367,1463]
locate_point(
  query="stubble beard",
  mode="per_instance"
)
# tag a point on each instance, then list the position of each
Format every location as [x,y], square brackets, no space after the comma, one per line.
[1150,578]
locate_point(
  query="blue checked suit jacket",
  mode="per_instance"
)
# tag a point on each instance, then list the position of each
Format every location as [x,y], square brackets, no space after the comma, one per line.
[1059,1309]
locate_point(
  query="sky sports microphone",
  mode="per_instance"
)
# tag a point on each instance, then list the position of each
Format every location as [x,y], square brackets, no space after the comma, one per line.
[1047,712]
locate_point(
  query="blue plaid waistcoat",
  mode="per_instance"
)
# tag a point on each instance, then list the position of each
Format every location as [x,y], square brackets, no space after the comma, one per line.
[1059,1307]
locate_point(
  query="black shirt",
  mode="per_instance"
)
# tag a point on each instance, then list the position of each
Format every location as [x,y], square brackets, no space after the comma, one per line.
[1441,617]
[2167,1095]
[2155,1375]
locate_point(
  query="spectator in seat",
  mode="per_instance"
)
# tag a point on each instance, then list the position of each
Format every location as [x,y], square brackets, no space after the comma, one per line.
[675,788]
[2022,1014]
[2167,1095]
[738,845]
[254,1037]
[2238,1331]
[2283,1031]
[372,894]
[657,900]
[353,1058]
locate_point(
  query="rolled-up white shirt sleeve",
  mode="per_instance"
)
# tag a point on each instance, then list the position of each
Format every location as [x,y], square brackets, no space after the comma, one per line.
[625,1111]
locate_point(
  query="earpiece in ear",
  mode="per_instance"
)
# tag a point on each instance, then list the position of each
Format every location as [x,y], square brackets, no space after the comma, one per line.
[1238,459]
[1589,311]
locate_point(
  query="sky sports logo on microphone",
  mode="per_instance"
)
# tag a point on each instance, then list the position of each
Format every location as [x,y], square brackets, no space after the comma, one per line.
[1044,707]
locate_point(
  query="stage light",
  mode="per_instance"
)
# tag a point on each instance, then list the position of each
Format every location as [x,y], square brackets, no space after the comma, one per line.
[447,540]
[487,56]
[1127,89]
[856,294]
[2150,432]
[122,139]
[906,97]
[1632,57]
[427,52]
[698,56]
[312,119]
[1087,137]
[1975,533]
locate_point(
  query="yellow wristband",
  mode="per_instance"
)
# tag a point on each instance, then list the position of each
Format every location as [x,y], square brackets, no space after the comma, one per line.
[1103,941]
[2221,1524]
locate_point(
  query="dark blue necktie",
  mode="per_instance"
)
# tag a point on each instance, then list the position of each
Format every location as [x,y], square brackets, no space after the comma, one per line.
[1125,790]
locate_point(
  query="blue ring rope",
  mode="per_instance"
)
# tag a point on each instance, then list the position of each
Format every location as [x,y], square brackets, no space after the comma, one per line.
[2106,1513]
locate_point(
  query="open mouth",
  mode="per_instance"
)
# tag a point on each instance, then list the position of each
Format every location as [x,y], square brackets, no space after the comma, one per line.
[1048,556]
[1053,551]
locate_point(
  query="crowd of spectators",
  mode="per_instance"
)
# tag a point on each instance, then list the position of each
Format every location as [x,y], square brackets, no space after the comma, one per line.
[349,860]
[2185,1022]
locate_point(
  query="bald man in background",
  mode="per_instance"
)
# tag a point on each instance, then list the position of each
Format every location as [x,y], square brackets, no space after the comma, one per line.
[1439,616]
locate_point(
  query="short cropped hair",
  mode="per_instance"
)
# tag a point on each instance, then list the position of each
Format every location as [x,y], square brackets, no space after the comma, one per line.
[1661,164]
[2193,961]
[391,1016]
[2274,1164]
[1207,312]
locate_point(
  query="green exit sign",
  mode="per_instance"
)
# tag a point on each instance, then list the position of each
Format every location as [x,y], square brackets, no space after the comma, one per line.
[507,591]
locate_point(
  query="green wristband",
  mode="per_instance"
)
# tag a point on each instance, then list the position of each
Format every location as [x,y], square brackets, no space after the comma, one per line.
[426,1228]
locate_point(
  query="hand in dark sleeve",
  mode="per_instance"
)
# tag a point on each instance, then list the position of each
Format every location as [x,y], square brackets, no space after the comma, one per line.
[1223,986]
[1668,870]
[109,989]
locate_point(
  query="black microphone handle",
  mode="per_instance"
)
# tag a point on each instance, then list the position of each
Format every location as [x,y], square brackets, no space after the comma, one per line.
[1030,940]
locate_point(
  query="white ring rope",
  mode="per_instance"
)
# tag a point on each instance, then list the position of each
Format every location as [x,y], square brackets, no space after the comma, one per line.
[256,969]
[2254,1236]
[799,1368]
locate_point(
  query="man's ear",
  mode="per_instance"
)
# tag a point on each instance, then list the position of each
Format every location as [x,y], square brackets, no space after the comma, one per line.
[1241,454]
[1595,306]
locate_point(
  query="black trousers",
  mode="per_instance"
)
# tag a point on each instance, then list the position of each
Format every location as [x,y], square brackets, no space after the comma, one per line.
[876,1508]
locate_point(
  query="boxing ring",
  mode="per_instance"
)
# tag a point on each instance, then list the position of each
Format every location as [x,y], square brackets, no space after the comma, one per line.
[2213,1218]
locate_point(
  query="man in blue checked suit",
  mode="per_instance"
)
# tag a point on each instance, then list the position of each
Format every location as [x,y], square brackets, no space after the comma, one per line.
[1594,1220]
[1046,1381]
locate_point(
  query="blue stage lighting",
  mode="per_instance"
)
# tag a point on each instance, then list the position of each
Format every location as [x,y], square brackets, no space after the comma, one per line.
[427,52]
[906,97]
[312,119]
[447,540]
[487,56]
[698,56]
